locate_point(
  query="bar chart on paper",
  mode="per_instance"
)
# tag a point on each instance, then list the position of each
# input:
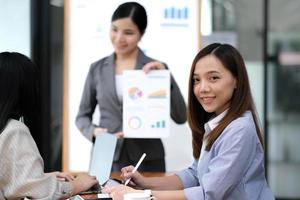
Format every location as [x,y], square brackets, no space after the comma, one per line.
[159,124]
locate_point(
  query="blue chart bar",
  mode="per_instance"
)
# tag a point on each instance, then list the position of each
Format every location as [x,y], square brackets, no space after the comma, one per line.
[159,124]
[176,13]
[163,124]
[185,13]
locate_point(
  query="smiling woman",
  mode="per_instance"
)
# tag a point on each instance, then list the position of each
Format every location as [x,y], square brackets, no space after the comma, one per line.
[103,87]
[227,140]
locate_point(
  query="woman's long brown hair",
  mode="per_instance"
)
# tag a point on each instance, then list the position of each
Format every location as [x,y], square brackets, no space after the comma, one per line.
[241,100]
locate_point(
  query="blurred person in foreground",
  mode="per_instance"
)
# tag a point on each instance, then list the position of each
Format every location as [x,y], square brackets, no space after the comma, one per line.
[21,165]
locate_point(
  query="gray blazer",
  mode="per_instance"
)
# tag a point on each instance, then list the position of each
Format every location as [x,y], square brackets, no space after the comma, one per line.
[100,89]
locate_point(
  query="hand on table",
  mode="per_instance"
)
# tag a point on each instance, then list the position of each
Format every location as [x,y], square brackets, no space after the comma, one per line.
[117,192]
[83,182]
[62,176]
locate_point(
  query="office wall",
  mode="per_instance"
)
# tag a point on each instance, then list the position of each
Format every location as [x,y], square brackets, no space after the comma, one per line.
[15,26]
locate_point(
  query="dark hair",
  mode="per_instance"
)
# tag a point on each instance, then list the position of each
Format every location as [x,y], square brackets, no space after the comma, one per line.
[18,90]
[135,11]
[241,98]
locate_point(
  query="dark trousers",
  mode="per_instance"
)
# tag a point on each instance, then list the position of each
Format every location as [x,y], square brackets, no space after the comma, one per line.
[146,166]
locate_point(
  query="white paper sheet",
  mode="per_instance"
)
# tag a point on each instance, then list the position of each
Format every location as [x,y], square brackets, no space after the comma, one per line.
[146,104]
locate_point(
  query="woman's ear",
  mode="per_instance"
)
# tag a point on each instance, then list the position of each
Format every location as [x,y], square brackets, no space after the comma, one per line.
[235,83]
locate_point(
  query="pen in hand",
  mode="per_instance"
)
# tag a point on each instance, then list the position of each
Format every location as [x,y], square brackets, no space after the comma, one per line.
[136,167]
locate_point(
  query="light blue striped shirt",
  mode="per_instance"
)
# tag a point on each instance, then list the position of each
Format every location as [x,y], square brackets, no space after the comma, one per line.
[234,167]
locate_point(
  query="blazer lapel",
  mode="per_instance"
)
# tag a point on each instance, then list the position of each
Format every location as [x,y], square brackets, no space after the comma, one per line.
[142,59]
[109,75]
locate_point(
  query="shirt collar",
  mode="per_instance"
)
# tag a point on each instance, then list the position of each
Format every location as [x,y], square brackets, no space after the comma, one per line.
[213,123]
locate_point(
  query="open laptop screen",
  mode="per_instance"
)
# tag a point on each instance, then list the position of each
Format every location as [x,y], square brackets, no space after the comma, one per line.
[102,156]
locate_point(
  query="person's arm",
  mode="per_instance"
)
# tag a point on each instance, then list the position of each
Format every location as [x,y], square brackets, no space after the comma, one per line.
[167,187]
[22,173]
[137,180]
[235,151]
[170,182]
[178,106]
[61,176]
[169,195]
[117,193]
[163,188]
[79,183]
[87,107]
[82,182]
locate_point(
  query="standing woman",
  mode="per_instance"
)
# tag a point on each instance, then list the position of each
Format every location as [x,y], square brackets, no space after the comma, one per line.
[227,140]
[103,86]
[21,165]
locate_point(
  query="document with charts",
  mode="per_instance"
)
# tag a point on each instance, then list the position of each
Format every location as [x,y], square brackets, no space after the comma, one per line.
[146,104]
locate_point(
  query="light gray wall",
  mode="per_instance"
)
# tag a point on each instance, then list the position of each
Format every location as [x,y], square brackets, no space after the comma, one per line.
[15,26]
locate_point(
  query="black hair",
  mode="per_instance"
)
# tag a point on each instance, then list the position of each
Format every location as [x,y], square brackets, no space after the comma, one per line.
[135,11]
[19,93]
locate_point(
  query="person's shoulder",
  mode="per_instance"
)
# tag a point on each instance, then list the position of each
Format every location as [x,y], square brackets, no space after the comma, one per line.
[145,57]
[14,127]
[99,63]
[240,131]
[244,123]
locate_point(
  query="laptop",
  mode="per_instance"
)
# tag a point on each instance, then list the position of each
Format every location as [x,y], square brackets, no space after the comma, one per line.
[101,161]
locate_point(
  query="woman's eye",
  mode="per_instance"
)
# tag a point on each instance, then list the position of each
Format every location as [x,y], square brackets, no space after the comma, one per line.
[196,80]
[128,33]
[214,78]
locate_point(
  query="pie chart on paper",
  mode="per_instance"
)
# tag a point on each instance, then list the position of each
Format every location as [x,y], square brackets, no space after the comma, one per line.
[135,122]
[135,93]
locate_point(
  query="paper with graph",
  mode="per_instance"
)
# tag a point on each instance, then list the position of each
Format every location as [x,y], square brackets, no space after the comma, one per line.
[146,104]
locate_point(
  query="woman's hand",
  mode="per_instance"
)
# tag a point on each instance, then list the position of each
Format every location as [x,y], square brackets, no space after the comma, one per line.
[154,65]
[119,134]
[62,176]
[117,192]
[136,179]
[99,130]
[83,182]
